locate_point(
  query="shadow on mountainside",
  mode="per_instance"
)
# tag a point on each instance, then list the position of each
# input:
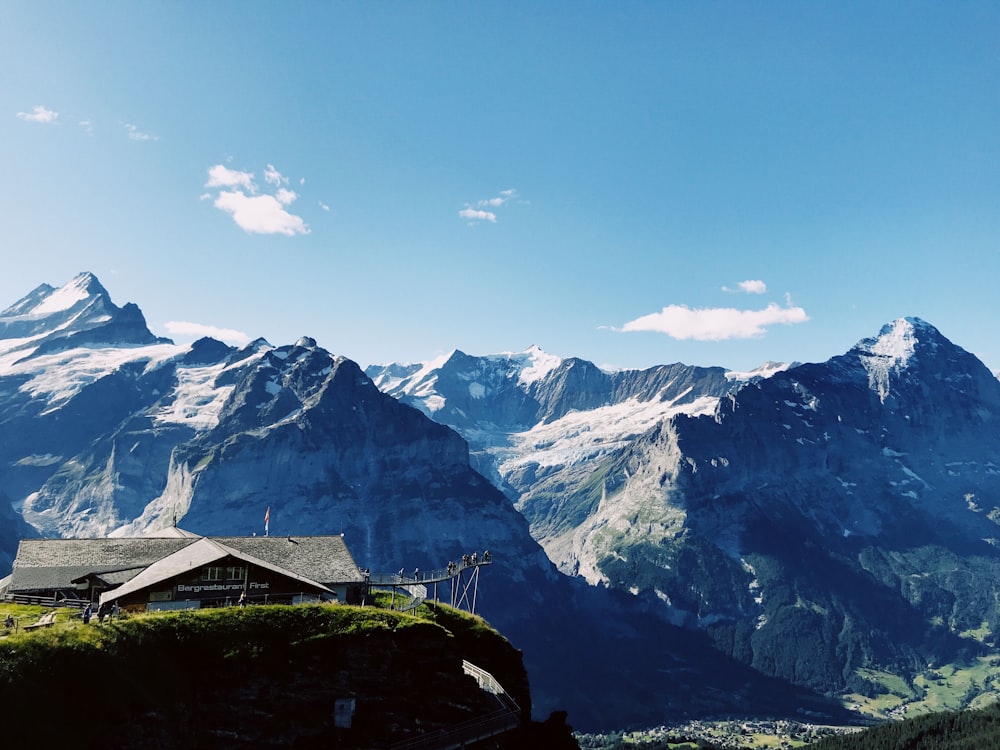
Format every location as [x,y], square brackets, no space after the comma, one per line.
[609,663]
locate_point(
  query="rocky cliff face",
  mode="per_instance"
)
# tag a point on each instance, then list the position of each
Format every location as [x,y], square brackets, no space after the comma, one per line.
[537,424]
[99,439]
[736,533]
[827,519]
[118,439]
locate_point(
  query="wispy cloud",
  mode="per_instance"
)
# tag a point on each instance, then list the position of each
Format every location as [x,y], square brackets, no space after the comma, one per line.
[499,200]
[716,323]
[750,286]
[137,135]
[479,211]
[273,177]
[477,214]
[198,330]
[255,213]
[39,114]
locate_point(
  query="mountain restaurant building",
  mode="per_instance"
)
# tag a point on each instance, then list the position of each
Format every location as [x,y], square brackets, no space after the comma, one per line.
[186,571]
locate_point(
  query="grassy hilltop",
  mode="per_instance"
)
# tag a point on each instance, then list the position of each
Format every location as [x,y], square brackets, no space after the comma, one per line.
[259,676]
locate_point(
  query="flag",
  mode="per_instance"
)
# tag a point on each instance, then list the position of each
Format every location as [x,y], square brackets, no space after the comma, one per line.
[267,518]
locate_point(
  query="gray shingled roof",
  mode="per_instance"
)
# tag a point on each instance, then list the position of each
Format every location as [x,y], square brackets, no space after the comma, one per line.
[46,564]
[203,552]
[172,532]
[320,558]
[111,577]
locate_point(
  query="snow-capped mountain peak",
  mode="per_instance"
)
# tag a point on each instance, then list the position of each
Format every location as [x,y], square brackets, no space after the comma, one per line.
[46,301]
[82,287]
[894,350]
[534,364]
[79,312]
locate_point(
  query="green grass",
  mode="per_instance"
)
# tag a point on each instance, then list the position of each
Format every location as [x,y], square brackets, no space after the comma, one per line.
[948,687]
[175,661]
[26,614]
[229,623]
[980,634]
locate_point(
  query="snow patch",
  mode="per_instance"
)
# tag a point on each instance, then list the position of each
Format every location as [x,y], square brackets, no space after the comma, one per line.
[890,352]
[537,364]
[434,403]
[65,297]
[765,371]
[56,378]
[579,436]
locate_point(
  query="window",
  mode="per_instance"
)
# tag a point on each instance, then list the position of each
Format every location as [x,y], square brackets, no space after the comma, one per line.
[234,573]
[212,573]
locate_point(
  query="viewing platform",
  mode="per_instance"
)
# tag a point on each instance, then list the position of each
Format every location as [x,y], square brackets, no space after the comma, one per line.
[461,575]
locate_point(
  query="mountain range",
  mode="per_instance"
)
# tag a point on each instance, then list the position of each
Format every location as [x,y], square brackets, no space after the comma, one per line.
[817,521]
[676,540]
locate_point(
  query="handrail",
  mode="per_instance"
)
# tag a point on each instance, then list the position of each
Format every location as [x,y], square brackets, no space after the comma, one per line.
[46,601]
[474,730]
[487,682]
[504,719]
[418,594]
[425,576]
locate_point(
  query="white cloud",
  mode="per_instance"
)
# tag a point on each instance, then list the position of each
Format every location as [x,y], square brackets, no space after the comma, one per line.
[137,135]
[480,213]
[260,214]
[285,196]
[197,330]
[475,214]
[220,176]
[253,213]
[324,206]
[499,200]
[273,177]
[39,114]
[750,286]
[88,126]
[716,324]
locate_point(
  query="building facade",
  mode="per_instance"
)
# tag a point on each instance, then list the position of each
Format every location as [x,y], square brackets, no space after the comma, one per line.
[181,570]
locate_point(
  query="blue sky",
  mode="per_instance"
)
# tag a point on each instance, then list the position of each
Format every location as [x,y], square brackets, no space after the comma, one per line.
[632,183]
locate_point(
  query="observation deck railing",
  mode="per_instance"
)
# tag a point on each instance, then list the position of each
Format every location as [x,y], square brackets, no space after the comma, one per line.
[505,719]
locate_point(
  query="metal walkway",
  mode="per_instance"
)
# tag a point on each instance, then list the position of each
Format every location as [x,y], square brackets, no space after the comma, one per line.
[462,577]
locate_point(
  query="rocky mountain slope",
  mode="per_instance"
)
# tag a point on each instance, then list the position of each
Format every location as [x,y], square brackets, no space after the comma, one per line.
[537,424]
[820,523]
[732,542]
[107,430]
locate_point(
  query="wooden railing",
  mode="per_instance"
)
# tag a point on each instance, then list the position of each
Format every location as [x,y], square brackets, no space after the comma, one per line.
[47,601]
